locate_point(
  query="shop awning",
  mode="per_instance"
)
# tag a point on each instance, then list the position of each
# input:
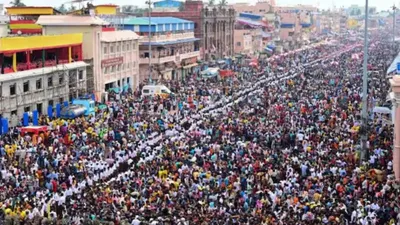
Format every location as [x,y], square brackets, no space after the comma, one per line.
[190,66]
[250,23]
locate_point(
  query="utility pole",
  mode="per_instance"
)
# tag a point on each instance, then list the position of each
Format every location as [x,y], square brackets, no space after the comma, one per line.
[364,115]
[394,29]
[150,55]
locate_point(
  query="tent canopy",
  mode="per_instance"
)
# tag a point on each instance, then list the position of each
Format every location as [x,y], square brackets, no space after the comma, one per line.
[393,67]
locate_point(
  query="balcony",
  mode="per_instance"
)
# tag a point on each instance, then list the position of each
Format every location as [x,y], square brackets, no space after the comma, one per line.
[157,60]
[168,37]
[174,58]
[187,55]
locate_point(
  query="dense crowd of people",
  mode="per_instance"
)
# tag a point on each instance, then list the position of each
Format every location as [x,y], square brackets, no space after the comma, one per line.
[277,144]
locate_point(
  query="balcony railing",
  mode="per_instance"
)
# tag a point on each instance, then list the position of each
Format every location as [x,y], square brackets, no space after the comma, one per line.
[175,58]
[158,60]
[168,37]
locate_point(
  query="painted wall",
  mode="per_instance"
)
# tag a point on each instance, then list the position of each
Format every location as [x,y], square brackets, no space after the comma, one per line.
[260,8]
[90,47]
[129,50]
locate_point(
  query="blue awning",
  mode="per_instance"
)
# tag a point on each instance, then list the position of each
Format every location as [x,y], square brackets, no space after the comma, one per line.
[268,49]
[393,67]
[287,25]
[250,16]
[171,42]
[305,25]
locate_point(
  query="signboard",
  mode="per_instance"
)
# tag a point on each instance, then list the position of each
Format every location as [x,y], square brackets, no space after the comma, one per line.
[112,61]
[398,68]
[189,61]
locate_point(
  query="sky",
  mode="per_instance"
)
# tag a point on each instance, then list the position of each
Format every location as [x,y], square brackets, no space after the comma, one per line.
[380,4]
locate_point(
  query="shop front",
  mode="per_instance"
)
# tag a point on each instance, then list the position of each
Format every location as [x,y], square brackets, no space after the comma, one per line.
[189,67]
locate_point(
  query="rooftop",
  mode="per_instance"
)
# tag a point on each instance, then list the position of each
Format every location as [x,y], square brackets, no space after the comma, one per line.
[154,20]
[70,20]
[39,71]
[120,35]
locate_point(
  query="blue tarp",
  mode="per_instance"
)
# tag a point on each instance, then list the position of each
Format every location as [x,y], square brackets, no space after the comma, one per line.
[271,47]
[393,67]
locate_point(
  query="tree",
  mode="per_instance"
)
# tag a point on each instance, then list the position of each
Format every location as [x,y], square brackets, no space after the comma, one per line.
[127,9]
[223,3]
[62,8]
[211,2]
[72,8]
[17,3]
[181,7]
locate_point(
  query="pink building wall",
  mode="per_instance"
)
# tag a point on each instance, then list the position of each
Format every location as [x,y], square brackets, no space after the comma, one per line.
[395,84]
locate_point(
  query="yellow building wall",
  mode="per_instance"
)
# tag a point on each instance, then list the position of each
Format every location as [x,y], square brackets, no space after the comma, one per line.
[15,44]
[106,10]
[24,26]
[30,11]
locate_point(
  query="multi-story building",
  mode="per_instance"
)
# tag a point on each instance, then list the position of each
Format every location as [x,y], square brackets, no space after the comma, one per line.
[248,36]
[174,48]
[296,24]
[40,71]
[23,19]
[214,26]
[102,49]
[119,59]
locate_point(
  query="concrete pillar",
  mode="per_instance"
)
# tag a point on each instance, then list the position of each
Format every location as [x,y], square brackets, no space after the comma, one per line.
[395,84]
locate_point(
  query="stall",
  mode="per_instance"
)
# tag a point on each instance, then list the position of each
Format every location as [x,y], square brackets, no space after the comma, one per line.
[210,72]
[226,73]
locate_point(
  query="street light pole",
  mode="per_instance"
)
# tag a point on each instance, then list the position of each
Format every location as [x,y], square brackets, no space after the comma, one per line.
[364,115]
[394,27]
[150,55]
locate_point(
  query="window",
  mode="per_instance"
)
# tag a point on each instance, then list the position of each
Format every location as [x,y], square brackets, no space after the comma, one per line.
[123,47]
[128,47]
[118,48]
[111,49]
[50,82]
[238,44]
[61,79]
[80,74]
[128,65]
[26,86]
[134,46]
[118,67]
[27,109]
[61,100]
[146,91]
[39,108]
[51,103]
[14,112]
[106,70]
[133,64]
[105,50]
[291,34]
[12,89]
[112,69]
[195,25]
[39,84]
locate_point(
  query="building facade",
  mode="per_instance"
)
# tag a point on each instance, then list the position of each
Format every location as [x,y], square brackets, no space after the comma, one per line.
[212,25]
[38,71]
[37,89]
[218,32]
[119,59]
[248,38]
[93,33]
[174,48]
